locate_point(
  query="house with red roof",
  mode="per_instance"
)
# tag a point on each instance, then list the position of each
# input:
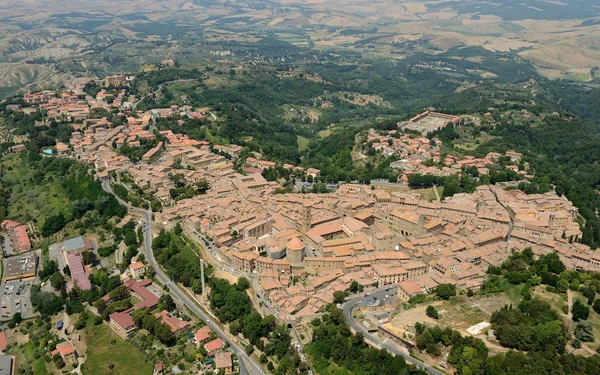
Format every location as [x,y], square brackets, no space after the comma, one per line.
[212,347]
[79,274]
[3,342]
[176,325]
[18,235]
[224,362]
[67,352]
[139,290]
[202,335]
[137,270]
[122,323]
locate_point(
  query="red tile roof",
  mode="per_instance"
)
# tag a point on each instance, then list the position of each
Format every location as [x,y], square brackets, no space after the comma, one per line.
[149,299]
[78,273]
[202,334]
[123,319]
[64,349]
[3,341]
[213,345]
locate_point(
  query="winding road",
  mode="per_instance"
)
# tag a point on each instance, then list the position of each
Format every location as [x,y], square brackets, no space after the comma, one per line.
[352,304]
[247,365]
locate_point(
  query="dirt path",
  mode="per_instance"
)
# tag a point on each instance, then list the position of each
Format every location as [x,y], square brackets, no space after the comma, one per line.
[436,192]
[569,313]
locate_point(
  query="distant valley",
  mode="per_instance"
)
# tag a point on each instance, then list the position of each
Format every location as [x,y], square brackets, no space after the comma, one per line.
[42,45]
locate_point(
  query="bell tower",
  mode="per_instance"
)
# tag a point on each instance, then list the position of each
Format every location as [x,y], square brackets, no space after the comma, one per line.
[306,217]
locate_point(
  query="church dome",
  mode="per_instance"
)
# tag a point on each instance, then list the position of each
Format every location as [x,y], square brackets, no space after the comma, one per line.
[295,244]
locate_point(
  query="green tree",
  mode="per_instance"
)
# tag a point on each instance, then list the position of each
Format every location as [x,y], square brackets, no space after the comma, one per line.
[584,332]
[15,320]
[445,291]
[252,327]
[243,283]
[163,333]
[354,286]
[57,280]
[432,312]
[580,311]
[165,302]
[50,267]
[597,306]
[338,297]
[197,286]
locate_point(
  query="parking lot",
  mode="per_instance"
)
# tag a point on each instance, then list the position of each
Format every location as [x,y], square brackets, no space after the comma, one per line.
[55,253]
[7,247]
[15,298]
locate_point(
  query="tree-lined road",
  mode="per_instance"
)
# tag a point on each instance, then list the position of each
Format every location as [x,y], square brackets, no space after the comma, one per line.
[247,365]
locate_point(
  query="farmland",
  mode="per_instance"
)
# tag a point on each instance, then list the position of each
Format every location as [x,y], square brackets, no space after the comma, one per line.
[54,47]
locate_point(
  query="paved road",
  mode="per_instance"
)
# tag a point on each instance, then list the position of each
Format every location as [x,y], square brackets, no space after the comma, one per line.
[350,305]
[247,366]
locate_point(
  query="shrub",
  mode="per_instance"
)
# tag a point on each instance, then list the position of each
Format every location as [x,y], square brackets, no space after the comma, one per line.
[432,312]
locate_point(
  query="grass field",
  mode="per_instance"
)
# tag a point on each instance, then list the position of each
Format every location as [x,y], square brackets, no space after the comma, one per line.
[582,77]
[126,359]
[24,355]
[39,367]
[429,195]
[458,313]
[302,143]
[324,133]
[557,301]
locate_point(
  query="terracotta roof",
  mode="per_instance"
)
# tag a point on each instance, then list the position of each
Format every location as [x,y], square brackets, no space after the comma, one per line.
[175,324]
[137,265]
[213,345]
[123,319]
[223,360]
[3,341]
[202,334]
[78,273]
[64,349]
[149,299]
[295,244]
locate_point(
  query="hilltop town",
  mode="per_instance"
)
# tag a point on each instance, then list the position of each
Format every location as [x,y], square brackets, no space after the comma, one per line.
[299,188]
[369,234]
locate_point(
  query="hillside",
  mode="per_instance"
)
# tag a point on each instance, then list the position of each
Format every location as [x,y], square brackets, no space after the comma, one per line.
[49,46]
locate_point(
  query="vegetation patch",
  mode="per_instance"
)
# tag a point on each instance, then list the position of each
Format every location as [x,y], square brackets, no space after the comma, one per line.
[109,354]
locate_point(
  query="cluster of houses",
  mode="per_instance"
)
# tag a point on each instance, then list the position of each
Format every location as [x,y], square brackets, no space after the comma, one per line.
[420,155]
[146,294]
[297,249]
[17,235]
[300,248]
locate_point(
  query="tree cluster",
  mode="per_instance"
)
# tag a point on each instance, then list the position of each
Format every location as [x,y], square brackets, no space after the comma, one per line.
[531,326]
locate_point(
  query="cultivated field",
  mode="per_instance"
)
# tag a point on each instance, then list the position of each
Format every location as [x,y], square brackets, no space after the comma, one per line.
[43,46]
